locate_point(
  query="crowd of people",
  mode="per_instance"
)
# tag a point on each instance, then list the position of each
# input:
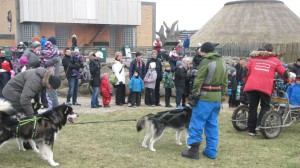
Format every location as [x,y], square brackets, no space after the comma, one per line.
[203,80]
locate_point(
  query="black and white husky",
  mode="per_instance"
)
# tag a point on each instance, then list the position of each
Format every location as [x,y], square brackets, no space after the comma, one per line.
[155,125]
[44,133]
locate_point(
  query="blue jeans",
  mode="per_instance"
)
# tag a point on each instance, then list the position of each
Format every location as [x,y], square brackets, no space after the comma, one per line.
[205,116]
[73,90]
[95,100]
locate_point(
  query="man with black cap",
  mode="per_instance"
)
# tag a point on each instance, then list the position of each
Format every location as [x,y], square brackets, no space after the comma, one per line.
[23,87]
[208,89]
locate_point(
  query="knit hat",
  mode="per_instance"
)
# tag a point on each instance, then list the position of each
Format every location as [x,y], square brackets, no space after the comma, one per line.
[152,65]
[54,81]
[178,63]
[76,51]
[138,54]
[35,44]
[207,47]
[52,40]
[167,65]
[23,61]
[292,75]
[232,70]
[6,66]
[99,54]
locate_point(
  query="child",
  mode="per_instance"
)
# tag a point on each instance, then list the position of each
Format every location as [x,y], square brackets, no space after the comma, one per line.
[294,92]
[173,58]
[232,87]
[105,91]
[136,86]
[168,84]
[23,65]
[150,79]
[76,58]
[48,53]
[180,74]
[188,70]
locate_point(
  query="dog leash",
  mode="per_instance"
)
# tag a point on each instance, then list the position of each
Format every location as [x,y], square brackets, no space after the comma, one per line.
[94,122]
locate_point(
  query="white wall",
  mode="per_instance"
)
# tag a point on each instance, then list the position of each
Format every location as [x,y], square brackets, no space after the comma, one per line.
[120,12]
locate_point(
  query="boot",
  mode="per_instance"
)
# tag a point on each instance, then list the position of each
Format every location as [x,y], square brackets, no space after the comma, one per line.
[193,152]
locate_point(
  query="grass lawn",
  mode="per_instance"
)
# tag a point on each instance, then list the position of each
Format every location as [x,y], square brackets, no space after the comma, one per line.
[117,144]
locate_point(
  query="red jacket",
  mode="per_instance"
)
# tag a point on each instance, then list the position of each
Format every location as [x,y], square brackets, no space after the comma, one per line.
[261,71]
[105,87]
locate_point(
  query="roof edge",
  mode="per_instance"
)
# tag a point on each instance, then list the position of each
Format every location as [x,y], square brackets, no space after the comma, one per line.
[252,1]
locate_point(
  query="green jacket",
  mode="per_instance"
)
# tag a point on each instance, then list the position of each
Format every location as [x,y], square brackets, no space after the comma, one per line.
[212,72]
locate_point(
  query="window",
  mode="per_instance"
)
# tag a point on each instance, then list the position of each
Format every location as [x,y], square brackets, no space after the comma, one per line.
[62,35]
[129,36]
[113,37]
[29,30]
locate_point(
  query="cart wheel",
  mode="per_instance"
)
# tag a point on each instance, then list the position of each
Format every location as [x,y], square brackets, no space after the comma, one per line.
[240,118]
[273,120]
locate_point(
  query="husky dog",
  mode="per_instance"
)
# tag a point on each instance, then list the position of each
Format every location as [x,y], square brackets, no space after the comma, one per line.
[43,129]
[155,125]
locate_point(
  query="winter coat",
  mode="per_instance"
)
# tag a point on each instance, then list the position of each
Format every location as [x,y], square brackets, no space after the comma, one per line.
[136,84]
[43,41]
[294,94]
[180,74]
[33,58]
[239,72]
[157,45]
[261,70]
[168,79]
[172,62]
[54,61]
[74,42]
[95,70]
[158,67]
[186,43]
[150,79]
[212,72]
[118,69]
[105,87]
[296,69]
[25,86]
[232,82]
[69,64]
[141,69]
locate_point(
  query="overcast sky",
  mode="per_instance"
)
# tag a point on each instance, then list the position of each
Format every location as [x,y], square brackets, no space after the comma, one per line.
[193,14]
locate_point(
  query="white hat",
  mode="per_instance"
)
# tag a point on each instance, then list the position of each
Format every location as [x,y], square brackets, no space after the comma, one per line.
[292,75]
[99,54]
[152,65]
[76,50]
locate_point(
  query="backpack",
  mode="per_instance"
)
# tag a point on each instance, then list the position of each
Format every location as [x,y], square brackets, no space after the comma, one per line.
[86,76]
[113,78]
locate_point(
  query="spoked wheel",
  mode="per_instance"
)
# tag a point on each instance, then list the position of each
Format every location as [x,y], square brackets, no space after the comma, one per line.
[271,124]
[240,118]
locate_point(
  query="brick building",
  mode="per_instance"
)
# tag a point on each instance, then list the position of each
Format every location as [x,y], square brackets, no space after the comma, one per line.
[95,22]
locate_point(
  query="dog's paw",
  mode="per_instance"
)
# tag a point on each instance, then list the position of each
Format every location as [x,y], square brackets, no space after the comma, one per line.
[153,150]
[54,164]
[24,150]
[188,146]
[144,146]
[37,151]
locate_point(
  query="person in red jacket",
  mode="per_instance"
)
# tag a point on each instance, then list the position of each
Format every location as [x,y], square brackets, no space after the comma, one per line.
[260,72]
[105,90]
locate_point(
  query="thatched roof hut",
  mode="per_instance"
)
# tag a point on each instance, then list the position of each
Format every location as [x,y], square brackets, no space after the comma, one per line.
[250,21]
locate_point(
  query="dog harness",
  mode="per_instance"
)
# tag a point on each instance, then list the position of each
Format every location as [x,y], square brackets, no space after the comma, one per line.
[167,117]
[33,120]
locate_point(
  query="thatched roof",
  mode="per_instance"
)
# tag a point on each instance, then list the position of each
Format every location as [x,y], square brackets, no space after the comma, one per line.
[251,21]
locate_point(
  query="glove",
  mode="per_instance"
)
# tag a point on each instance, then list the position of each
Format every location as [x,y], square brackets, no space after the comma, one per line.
[193,100]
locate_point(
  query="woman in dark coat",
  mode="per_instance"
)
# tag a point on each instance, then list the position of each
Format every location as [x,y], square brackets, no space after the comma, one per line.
[95,82]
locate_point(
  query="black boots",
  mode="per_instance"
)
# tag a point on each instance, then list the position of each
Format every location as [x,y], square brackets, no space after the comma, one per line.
[193,152]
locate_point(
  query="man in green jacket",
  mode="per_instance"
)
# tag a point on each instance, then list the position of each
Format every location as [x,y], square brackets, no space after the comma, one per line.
[209,86]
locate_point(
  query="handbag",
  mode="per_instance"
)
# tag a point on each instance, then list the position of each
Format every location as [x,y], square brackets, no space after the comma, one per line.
[113,78]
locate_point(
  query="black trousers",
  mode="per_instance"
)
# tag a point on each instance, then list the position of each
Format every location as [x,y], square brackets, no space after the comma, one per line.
[255,97]
[168,94]
[136,98]
[157,94]
[120,94]
[149,96]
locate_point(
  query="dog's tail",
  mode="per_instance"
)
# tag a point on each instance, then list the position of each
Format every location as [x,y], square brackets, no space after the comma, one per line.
[141,124]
